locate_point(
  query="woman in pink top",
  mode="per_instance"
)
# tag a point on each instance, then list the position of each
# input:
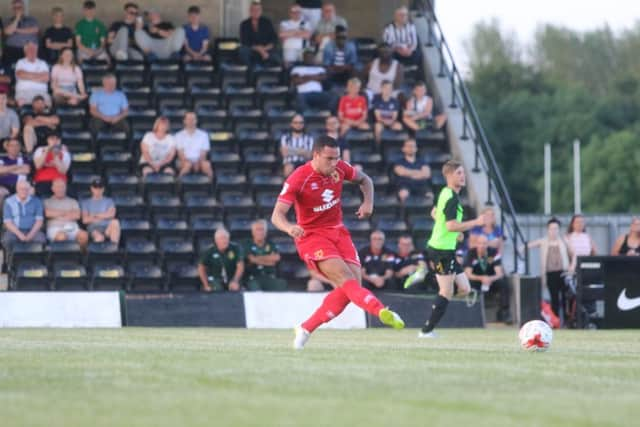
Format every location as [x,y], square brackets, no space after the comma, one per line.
[580,243]
[66,80]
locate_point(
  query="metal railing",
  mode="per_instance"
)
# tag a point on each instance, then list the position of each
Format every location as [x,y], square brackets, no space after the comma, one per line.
[472,130]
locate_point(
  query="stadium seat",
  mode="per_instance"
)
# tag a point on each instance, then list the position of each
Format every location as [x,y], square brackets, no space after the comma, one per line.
[296,273]
[31,276]
[286,247]
[201,72]
[233,74]
[431,139]
[107,277]
[205,95]
[238,205]
[279,119]
[421,226]
[81,181]
[142,119]
[255,140]
[230,182]
[72,118]
[183,278]
[135,228]
[70,276]
[240,228]
[246,118]
[266,202]
[367,48]
[102,253]
[159,182]
[381,183]
[202,203]
[145,277]
[225,50]
[167,227]
[214,120]
[371,162]
[138,97]
[169,96]
[116,162]
[77,141]
[267,183]
[267,75]
[203,228]
[131,72]
[112,140]
[63,252]
[165,71]
[273,95]
[123,184]
[393,228]
[360,139]
[358,228]
[417,205]
[165,205]
[435,159]
[239,96]
[174,249]
[195,183]
[83,162]
[140,249]
[393,139]
[386,204]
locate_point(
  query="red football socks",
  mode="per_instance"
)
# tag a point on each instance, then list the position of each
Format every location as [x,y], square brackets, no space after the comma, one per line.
[362,297]
[332,305]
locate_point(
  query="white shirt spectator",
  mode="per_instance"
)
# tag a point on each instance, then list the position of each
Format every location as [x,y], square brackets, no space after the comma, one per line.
[292,46]
[158,148]
[306,70]
[37,66]
[192,144]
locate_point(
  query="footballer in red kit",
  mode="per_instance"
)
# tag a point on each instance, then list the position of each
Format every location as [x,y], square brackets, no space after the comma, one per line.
[322,241]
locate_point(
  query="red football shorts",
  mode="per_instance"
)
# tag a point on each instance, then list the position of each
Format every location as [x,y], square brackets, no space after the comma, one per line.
[318,245]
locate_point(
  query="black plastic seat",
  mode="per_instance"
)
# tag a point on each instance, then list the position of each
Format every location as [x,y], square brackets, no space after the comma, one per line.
[70,276]
[108,277]
[30,276]
[145,276]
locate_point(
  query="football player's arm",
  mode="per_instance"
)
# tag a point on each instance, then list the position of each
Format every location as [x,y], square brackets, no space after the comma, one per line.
[279,219]
[452,223]
[366,186]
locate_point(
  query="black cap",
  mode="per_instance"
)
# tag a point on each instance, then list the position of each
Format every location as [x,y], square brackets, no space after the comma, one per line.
[98,183]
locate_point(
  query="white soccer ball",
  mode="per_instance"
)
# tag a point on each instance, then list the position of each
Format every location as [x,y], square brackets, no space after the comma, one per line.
[535,335]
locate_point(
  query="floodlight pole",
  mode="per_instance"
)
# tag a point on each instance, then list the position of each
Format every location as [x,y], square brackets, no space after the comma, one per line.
[547,179]
[577,185]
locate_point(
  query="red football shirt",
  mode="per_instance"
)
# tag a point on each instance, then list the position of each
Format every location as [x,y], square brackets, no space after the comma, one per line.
[353,108]
[316,197]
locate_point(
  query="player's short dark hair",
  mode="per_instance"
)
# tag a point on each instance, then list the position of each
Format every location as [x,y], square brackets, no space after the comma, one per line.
[450,166]
[130,4]
[553,220]
[193,9]
[89,4]
[419,83]
[324,141]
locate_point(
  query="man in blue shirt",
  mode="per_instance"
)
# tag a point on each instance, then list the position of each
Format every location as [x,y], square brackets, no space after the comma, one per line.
[340,58]
[386,110]
[22,216]
[196,44]
[412,175]
[108,107]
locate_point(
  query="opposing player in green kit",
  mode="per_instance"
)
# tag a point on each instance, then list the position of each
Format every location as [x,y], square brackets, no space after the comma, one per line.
[441,247]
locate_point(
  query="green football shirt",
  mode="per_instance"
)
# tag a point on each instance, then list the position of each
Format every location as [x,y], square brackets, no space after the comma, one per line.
[448,208]
[222,265]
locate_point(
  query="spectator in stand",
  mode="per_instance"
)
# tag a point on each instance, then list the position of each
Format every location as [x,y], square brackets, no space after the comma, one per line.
[410,266]
[121,36]
[384,67]
[51,162]
[352,109]
[20,30]
[57,37]
[9,121]
[63,213]
[23,217]
[628,244]
[386,110]
[159,39]
[258,39]
[491,230]
[332,127]
[295,146]
[340,58]
[402,37]
[13,166]
[311,11]
[67,82]
[294,35]
[158,149]
[419,110]
[196,43]
[261,259]
[307,79]
[412,175]
[327,28]
[108,107]
[5,74]
[483,267]
[193,147]
[221,266]
[377,263]
[555,262]
[91,35]
[32,77]
[99,215]
[38,124]
[580,242]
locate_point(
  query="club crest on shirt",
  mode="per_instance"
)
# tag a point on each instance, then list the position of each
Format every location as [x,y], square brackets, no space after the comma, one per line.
[318,254]
[335,176]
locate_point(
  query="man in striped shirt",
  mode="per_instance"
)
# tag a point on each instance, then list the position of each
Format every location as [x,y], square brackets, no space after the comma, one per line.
[295,146]
[401,35]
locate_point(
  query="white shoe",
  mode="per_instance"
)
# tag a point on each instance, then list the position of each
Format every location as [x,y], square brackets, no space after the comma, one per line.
[302,336]
[427,334]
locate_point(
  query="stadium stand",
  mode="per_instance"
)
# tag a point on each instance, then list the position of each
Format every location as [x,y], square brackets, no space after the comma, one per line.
[166,221]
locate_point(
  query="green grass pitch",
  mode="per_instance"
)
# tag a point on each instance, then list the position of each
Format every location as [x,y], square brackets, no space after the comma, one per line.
[237,377]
